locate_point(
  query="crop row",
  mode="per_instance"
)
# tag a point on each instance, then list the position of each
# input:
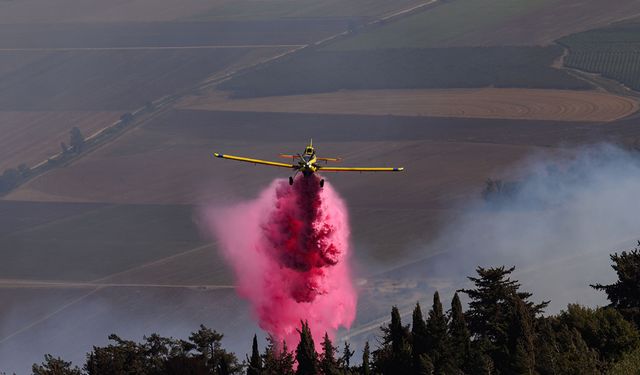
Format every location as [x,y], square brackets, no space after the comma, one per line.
[326,71]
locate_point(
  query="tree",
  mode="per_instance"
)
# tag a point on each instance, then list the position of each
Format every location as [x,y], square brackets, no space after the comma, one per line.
[425,366]
[76,140]
[328,362]
[9,180]
[491,310]
[24,170]
[624,294]
[126,118]
[603,329]
[521,339]
[208,344]
[394,355]
[629,364]
[277,362]
[459,336]
[366,353]
[560,350]
[54,366]
[255,362]
[437,339]
[306,352]
[347,353]
[419,337]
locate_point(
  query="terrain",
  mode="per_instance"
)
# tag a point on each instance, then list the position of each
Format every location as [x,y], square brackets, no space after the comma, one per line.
[112,240]
[525,104]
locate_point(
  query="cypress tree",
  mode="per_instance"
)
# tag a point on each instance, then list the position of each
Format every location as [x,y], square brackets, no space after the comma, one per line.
[460,338]
[366,353]
[285,360]
[521,339]
[394,354]
[255,362]
[419,337]
[306,355]
[328,363]
[437,339]
[425,366]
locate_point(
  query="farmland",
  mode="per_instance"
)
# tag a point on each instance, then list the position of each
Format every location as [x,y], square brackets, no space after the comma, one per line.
[564,105]
[112,241]
[32,136]
[167,161]
[526,67]
[463,23]
[96,11]
[613,52]
[282,9]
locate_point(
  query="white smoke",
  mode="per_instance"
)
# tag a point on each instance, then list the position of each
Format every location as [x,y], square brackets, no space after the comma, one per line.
[558,228]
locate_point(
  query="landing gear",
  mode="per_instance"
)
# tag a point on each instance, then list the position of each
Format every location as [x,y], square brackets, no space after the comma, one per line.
[322,183]
[290,180]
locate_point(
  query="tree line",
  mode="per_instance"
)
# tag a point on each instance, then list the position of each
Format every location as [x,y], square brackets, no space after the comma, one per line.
[503,331]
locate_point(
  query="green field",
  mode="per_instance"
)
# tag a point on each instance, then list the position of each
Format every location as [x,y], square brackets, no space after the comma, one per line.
[522,67]
[273,9]
[613,52]
[440,25]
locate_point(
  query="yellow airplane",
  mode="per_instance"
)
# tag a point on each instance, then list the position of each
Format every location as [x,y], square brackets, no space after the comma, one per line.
[307,163]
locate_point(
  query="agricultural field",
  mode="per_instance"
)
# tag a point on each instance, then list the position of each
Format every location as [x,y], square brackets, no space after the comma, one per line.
[92,11]
[30,137]
[531,104]
[94,242]
[113,241]
[463,23]
[283,9]
[613,52]
[171,35]
[474,67]
[105,80]
[167,161]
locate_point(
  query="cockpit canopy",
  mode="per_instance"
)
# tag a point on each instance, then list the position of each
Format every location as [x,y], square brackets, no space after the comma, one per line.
[308,151]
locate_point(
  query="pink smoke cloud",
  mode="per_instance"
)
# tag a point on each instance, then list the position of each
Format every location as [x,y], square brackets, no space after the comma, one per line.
[289,250]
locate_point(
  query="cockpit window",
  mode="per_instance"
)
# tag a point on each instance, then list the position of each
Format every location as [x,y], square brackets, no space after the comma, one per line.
[309,151]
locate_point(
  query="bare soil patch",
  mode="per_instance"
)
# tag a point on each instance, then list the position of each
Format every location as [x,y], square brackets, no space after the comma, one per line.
[531,104]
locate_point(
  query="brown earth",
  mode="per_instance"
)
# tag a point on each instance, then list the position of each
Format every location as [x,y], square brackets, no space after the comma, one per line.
[168,160]
[31,137]
[526,104]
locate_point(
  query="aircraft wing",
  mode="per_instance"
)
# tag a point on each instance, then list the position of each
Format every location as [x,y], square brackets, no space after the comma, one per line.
[330,159]
[255,161]
[347,169]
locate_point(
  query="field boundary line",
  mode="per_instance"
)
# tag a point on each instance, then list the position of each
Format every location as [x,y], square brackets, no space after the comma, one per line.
[149,48]
[50,284]
[155,262]
[46,317]
[142,115]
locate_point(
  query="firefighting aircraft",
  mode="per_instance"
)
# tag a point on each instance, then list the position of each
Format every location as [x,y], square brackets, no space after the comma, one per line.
[307,163]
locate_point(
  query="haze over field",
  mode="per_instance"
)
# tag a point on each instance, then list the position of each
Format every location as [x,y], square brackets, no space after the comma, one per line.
[110,111]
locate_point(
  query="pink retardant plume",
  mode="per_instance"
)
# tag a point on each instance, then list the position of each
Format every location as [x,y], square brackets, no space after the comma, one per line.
[289,250]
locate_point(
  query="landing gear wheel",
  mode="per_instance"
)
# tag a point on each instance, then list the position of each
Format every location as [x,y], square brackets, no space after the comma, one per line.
[322,183]
[290,180]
